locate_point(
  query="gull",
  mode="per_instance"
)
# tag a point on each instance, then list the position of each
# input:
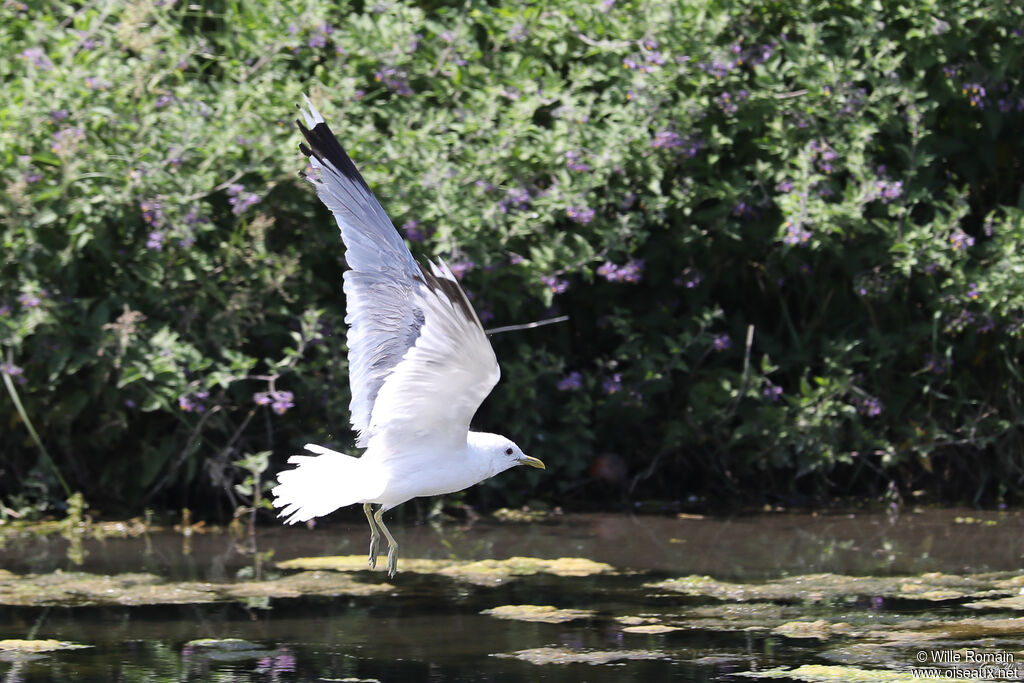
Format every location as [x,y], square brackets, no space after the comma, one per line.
[420,365]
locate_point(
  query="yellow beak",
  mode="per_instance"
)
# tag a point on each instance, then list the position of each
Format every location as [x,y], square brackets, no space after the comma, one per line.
[532,462]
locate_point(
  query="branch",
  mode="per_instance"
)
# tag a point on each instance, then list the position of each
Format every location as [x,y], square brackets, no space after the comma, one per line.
[527,326]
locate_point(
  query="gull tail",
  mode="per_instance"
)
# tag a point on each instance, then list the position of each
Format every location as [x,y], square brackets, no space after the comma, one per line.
[319,485]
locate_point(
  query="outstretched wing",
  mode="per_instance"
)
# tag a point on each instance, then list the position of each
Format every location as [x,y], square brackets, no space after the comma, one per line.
[420,363]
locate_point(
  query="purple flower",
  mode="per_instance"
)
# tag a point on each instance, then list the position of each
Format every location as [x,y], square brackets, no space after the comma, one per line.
[240,200]
[689,278]
[656,57]
[573,380]
[282,401]
[666,139]
[516,198]
[726,103]
[155,241]
[193,403]
[29,300]
[38,58]
[59,114]
[66,140]
[772,392]
[869,406]
[632,271]
[762,53]
[887,190]
[554,284]
[795,234]
[744,210]
[721,342]
[5,309]
[975,93]
[9,368]
[972,291]
[612,385]
[93,83]
[163,101]
[580,214]
[691,146]
[460,268]
[515,259]
[394,80]
[607,5]
[937,365]
[412,231]
[279,401]
[152,212]
[960,240]
[573,163]
[717,68]
[517,33]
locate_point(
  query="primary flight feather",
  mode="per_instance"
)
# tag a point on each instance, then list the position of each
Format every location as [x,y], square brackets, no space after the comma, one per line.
[420,365]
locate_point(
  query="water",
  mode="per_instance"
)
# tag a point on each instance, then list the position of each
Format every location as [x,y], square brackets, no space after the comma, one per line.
[429,626]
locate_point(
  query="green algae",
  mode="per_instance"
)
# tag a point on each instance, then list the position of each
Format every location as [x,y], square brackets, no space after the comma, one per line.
[226,650]
[494,572]
[357,563]
[539,613]
[32,646]
[222,644]
[822,673]
[524,515]
[560,655]
[480,572]
[80,588]
[820,629]
[813,588]
[1014,602]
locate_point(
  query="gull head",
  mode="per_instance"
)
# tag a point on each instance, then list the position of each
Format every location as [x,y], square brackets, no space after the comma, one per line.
[502,453]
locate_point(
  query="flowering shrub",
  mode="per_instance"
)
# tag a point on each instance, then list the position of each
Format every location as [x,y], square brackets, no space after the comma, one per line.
[786,237]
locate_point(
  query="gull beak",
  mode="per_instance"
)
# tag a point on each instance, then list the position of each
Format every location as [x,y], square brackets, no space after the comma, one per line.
[532,462]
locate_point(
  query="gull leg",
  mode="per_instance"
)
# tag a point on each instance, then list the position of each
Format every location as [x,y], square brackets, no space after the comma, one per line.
[392,544]
[374,536]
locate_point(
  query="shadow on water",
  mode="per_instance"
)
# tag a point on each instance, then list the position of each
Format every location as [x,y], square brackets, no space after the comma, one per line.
[807,597]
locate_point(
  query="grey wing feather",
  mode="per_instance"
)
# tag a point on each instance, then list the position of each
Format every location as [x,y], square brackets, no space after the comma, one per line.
[383,319]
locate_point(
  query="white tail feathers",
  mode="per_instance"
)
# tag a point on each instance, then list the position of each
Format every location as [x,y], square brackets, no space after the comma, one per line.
[319,485]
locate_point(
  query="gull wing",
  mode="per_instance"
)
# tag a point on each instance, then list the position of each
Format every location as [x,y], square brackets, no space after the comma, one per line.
[419,361]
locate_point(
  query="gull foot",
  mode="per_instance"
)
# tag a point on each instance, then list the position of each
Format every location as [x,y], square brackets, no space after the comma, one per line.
[392,561]
[374,544]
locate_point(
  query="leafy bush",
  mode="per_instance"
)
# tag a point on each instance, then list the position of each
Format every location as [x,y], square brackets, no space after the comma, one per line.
[785,234]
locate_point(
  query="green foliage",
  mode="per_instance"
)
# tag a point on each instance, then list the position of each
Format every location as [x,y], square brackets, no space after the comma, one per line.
[786,235]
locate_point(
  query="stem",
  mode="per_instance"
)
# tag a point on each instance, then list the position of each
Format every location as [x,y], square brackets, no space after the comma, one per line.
[32,432]
[527,326]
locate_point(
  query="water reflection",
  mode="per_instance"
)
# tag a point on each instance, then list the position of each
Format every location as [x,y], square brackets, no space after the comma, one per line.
[735,547]
[429,626]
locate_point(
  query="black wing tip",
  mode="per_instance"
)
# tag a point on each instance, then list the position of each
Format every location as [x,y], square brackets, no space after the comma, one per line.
[324,146]
[451,291]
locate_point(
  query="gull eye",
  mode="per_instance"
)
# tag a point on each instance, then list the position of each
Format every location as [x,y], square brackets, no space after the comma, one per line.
[508,451]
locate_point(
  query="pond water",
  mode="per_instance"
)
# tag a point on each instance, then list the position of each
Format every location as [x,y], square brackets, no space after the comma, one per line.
[575,597]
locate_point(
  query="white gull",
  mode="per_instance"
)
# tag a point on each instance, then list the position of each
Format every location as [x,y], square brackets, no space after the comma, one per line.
[420,365]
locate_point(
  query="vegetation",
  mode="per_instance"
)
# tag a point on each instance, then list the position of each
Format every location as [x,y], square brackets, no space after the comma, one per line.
[785,234]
